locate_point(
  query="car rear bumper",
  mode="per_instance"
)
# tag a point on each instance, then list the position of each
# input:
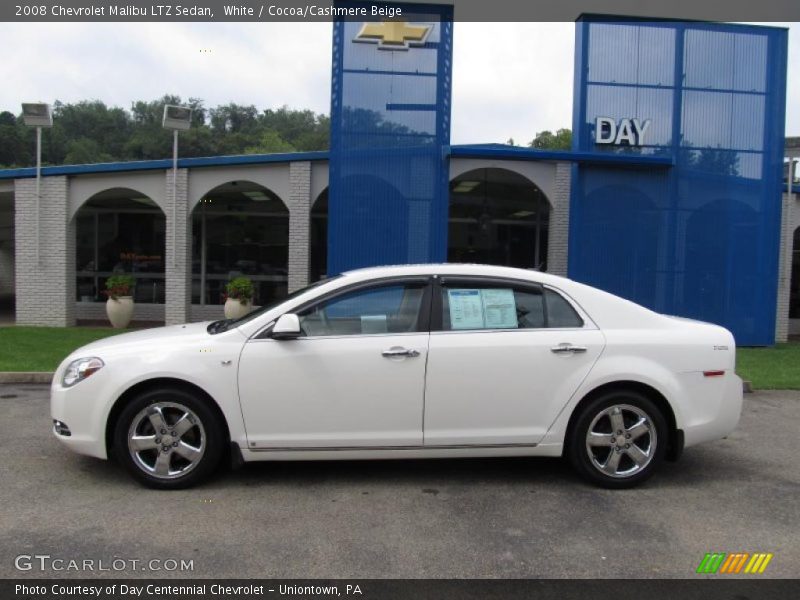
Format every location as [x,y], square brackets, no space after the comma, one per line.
[716,408]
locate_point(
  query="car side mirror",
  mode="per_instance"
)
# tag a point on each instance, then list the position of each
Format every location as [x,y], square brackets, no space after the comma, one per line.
[287,327]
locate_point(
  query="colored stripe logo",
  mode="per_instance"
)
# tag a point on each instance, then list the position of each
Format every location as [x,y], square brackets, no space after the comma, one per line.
[734,563]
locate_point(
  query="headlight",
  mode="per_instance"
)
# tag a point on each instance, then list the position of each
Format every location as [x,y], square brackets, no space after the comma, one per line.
[80,369]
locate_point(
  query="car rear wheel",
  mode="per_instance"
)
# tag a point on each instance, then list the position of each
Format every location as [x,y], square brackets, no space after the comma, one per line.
[618,440]
[168,439]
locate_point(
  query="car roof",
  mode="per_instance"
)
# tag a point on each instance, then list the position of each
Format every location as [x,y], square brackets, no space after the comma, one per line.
[454,269]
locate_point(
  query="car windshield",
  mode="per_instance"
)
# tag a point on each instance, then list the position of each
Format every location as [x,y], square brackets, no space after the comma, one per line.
[225,324]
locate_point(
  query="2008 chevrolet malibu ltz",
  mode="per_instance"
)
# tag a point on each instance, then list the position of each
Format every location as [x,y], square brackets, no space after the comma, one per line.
[425,361]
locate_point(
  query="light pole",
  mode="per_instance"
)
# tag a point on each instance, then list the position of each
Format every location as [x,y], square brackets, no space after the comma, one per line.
[37,114]
[176,118]
[793,161]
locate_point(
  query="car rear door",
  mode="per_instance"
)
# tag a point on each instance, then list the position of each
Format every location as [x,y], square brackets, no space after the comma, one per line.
[504,358]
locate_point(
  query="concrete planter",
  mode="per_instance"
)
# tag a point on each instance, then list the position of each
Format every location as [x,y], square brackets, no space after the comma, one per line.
[120,311]
[234,309]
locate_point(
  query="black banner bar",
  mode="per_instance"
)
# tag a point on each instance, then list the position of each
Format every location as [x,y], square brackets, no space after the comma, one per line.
[733,588]
[324,10]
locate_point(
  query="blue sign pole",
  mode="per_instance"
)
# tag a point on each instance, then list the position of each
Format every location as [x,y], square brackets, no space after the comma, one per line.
[390,128]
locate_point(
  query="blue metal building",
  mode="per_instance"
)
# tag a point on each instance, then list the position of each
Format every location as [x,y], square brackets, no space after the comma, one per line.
[678,157]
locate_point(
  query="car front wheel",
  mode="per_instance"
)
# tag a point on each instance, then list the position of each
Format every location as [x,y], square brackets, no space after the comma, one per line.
[168,439]
[618,440]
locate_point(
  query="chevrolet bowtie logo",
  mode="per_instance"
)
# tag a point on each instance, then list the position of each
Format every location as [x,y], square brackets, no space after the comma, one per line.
[393,35]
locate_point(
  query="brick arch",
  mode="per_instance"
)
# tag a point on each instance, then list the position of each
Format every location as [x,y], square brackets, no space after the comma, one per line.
[274,177]
[83,189]
[540,173]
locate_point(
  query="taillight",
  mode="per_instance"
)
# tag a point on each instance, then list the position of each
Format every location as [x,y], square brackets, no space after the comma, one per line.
[713,373]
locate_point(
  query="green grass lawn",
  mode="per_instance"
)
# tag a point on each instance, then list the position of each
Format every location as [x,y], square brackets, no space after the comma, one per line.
[43,348]
[776,368]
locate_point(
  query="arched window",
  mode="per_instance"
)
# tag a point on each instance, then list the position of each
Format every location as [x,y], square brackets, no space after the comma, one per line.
[497,217]
[794,296]
[318,251]
[239,228]
[120,231]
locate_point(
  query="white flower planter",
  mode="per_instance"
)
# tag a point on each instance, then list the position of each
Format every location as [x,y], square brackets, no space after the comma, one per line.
[120,311]
[235,309]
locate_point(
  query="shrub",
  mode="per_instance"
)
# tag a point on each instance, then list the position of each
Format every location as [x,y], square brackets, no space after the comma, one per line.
[240,288]
[119,285]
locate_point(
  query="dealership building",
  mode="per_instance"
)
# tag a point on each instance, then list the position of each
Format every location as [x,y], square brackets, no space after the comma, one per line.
[676,194]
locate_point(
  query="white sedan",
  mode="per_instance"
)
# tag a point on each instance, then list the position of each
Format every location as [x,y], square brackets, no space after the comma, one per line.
[427,361]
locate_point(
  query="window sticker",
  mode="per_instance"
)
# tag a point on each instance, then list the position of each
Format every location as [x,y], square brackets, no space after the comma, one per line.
[466,309]
[499,309]
[482,309]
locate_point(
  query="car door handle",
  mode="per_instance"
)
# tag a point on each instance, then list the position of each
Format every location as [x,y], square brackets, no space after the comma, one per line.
[398,351]
[568,349]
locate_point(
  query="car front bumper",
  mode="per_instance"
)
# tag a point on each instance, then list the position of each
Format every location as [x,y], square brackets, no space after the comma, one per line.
[78,410]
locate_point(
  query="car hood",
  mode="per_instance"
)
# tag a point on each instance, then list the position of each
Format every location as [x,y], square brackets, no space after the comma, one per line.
[146,338]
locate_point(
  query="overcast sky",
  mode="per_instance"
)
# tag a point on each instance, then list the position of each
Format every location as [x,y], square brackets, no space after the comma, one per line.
[510,79]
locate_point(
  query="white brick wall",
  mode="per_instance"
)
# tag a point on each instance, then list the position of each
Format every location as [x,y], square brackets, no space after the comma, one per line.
[209,312]
[45,289]
[790,214]
[299,202]
[178,256]
[558,239]
[784,272]
[97,311]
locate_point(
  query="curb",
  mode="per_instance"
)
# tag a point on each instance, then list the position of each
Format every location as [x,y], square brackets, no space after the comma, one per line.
[26,377]
[747,387]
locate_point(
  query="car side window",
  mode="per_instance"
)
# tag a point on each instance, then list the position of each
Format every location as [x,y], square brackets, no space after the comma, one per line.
[560,313]
[492,307]
[485,305]
[375,310]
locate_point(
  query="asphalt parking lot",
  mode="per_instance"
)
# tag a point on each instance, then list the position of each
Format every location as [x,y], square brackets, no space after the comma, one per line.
[407,519]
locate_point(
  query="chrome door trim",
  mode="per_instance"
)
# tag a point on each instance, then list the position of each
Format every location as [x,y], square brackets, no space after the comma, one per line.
[350,448]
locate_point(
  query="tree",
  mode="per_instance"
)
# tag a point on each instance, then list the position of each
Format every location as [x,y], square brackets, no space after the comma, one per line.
[14,149]
[300,128]
[270,142]
[547,140]
[234,118]
[89,131]
[84,151]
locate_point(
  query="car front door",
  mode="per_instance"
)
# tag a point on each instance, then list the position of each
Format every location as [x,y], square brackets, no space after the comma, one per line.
[503,360]
[354,378]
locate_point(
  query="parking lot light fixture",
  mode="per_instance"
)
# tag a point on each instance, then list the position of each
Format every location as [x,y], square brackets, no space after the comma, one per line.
[176,118]
[38,115]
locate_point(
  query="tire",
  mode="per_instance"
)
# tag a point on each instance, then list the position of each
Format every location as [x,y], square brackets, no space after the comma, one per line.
[609,459]
[187,453]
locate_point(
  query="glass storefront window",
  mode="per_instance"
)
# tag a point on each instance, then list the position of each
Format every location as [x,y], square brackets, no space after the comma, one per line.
[794,296]
[240,229]
[318,258]
[119,231]
[498,217]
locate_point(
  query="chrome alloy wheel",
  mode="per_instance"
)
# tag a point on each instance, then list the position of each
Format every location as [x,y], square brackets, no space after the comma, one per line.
[621,440]
[166,440]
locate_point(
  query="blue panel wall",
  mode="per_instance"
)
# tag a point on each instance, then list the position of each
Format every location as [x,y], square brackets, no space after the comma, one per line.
[390,125]
[700,239]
